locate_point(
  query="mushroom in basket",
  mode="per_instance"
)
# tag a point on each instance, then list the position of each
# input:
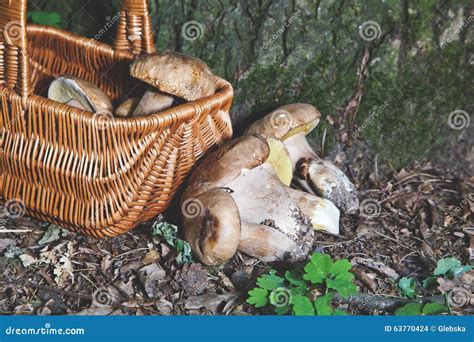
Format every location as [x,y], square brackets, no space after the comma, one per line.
[81,94]
[172,78]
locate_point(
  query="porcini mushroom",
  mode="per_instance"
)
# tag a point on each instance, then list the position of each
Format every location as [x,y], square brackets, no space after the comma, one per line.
[327,180]
[212,226]
[291,124]
[153,101]
[176,74]
[91,98]
[126,108]
[262,200]
[322,213]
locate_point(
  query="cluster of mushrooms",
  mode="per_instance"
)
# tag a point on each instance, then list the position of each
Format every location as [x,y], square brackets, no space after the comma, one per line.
[266,192]
[172,78]
[263,194]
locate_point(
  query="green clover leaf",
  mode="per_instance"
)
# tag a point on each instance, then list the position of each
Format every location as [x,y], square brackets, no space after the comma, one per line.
[302,306]
[323,305]
[258,297]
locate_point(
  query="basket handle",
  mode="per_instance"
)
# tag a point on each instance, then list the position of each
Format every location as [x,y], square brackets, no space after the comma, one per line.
[14,66]
[134,32]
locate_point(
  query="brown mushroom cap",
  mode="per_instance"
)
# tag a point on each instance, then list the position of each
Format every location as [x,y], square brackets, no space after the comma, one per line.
[287,121]
[176,74]
[214,234]
[66,88]
[226,163]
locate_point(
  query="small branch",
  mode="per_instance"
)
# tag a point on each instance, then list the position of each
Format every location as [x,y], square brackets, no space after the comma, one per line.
[383,303]
[45,288]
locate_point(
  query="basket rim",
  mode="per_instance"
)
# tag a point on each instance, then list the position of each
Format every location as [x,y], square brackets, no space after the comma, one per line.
[177,114]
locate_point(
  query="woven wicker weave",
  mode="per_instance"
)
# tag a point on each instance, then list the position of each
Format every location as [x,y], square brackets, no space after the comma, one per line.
[83,171]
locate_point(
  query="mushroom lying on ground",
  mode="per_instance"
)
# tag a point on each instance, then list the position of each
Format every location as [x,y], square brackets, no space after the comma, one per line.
[81,94]
[291,124]
[171,74]
[271,225]
[214,236]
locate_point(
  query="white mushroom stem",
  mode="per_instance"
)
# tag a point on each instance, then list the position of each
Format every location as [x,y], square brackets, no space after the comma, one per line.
[328,181]
[319,176]
[323,214]
[127,107]
[298,147]
[262,200]
[264,242]
[153,101]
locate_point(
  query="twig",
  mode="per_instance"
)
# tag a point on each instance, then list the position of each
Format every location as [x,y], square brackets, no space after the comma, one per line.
[383,303]
[45,288]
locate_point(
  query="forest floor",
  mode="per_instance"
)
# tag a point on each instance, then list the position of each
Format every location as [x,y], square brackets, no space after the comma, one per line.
[408,221]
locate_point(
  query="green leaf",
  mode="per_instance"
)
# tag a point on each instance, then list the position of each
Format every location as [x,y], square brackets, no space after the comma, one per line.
[302,306]
[270,281]
[318,268]
[46,18]
[407,286]
[445,265]
[283,310]
[460,270]
[343,284]
[323,305]
[411,309]
[295,278]
[168,233]
[258,297]
[341,266]
[428,281]
[184,252]
[434,309]
[339,312]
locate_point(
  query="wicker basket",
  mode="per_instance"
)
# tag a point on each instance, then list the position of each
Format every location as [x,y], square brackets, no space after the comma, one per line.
[79,170]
